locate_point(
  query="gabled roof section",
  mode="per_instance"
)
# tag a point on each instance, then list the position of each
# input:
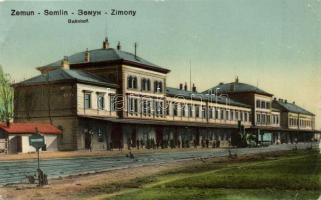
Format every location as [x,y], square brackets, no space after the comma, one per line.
[289,107]
[175,92]
[60,75]
[237,87]
[107,55]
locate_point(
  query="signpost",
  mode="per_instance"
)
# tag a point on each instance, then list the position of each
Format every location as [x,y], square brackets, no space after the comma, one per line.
[37,141]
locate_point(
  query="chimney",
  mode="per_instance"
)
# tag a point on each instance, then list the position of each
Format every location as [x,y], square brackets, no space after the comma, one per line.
[105,43]
[181,86]
[185,86]
[194,88]
[237,79]
[274,98]
[65,63]
[87,56]
[118,46]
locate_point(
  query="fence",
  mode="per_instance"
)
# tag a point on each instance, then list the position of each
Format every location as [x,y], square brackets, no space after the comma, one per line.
[3,146]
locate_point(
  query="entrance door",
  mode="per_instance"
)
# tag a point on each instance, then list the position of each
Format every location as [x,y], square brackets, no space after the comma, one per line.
[19,144]
[133,137]
[87,141]
[159,136]
[116,136]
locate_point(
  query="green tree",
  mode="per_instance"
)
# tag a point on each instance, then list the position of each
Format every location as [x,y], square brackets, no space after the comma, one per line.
[6,97]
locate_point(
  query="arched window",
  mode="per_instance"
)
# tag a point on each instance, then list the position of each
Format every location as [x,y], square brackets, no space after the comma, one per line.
[130,82]
[143,84]
[135,82]
[160,86]
[155,86]
[148,85]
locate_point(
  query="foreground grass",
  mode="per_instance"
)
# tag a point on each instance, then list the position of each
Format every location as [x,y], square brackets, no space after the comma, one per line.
[294,176]
[295,173]
[215,194]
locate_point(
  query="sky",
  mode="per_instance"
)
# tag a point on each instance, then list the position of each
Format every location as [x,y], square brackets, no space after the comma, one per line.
[272,44]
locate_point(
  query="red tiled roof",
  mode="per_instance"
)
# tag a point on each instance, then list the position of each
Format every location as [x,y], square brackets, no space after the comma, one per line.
[27,128]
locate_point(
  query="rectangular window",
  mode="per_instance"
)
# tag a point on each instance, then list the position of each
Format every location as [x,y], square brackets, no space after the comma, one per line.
[245,117]
[268,105]
[232,115]
[130,105]
[241,114]
[113,103]
[222,114]
[210,113]
[258,118]
[167,108]
[136,105]
[204,112]
[133,105]
[157,107]
[100,102]
[175,109]
[144,107]
[161,108]
[182,110]
[258,103]
[190,111]
[216,113]
[87,100]
[197,111]
[149,107]
[227,115]
[263,118]
[237,115]
[158,86]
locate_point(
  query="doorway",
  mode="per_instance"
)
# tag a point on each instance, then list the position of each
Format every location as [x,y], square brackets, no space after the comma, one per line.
[116,136]
[87,140]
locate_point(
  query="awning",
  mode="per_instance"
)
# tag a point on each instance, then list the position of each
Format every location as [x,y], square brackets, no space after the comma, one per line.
[283,129]
[162,122]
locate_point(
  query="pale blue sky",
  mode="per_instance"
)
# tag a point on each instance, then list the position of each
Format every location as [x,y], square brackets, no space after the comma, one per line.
[274,44]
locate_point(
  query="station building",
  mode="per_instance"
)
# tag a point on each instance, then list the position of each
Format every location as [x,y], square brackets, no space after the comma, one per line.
[108,98]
